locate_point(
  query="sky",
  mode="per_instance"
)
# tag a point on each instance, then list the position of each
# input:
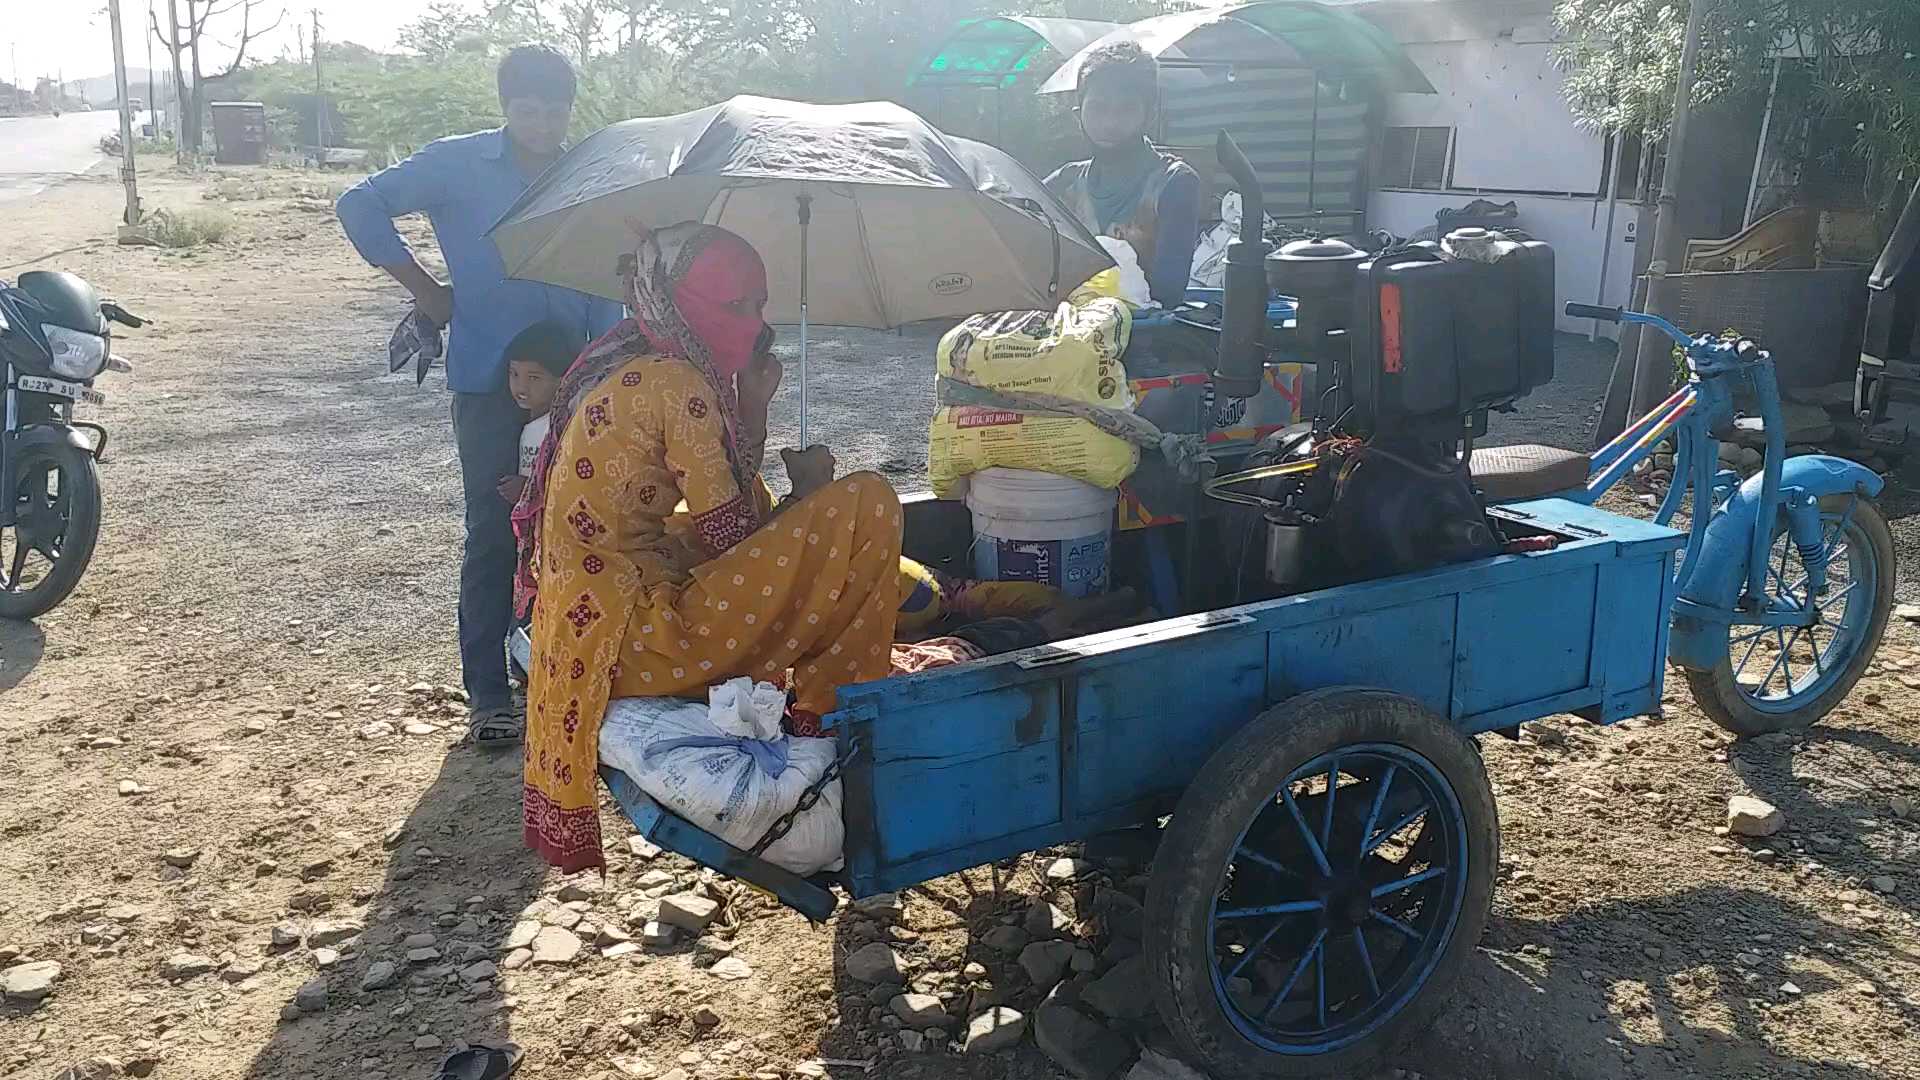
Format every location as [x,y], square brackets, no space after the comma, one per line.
[49,37]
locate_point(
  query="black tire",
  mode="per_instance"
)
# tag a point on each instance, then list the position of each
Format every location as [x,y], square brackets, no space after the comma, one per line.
[79,490]
[1720,697]
[1237,784]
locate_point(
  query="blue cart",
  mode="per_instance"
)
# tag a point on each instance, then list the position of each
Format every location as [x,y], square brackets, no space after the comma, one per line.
[1326,833]
[1330,857]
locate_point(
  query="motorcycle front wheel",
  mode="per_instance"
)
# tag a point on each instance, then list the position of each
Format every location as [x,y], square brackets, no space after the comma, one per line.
[1787,678]
[56,522]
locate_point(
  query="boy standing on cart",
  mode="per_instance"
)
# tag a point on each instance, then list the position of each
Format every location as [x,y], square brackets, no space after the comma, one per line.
[1129,190]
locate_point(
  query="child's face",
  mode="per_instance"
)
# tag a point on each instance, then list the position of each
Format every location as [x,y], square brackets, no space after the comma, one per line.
[532,386]
[1112,117]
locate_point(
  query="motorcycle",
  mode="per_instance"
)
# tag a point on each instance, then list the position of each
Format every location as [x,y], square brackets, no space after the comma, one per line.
[54,341]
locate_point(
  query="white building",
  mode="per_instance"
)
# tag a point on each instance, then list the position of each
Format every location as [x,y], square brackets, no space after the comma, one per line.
[1499,129]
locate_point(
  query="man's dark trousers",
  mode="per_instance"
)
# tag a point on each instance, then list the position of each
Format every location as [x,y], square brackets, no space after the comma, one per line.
[486,429]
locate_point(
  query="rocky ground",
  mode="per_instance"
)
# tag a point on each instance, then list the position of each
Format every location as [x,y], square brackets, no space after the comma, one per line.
[240,839]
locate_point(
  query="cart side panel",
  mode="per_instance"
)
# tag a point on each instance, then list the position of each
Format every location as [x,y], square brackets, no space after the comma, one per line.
[1136,736]
[993,758]
[1525,641]
[1409,647]
[1633,649]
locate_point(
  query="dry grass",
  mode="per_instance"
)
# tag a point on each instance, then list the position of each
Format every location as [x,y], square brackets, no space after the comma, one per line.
[187,228]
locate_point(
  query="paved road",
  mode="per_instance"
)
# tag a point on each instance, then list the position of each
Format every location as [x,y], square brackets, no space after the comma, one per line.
[37,150]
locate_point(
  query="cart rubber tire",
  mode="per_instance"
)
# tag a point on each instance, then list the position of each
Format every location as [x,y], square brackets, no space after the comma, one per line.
[82,532]
[1240,780]
[1721,699]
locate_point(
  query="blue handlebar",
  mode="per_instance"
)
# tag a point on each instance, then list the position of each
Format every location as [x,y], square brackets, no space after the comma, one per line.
[1614,314]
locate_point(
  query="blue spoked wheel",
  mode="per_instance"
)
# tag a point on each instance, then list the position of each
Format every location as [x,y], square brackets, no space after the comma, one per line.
[1785,678]
[1321,885]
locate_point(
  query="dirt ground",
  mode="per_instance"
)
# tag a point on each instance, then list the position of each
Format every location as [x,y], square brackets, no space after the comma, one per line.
[278,572]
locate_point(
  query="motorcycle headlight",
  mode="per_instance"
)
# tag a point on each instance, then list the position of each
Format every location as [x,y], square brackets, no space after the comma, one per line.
[76,355]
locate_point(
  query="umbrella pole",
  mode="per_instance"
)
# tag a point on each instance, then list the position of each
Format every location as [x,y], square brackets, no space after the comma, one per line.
[806,219]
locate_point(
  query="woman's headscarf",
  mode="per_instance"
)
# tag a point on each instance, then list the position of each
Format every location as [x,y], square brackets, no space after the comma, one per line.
[684,285]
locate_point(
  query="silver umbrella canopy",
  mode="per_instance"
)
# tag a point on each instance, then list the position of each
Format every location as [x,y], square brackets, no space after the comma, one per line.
[866,214]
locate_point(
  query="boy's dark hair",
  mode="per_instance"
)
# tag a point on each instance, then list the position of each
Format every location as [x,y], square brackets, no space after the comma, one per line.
[537,71]
[547,344]
[1125,67]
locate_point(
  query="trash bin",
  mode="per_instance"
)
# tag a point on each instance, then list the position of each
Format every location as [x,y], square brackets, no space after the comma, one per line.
[239,132]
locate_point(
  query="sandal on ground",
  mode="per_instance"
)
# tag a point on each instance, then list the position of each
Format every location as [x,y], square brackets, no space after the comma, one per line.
[481,1063]
[497,727]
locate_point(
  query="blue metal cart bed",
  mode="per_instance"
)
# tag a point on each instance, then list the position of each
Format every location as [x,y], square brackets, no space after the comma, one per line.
[1327,837]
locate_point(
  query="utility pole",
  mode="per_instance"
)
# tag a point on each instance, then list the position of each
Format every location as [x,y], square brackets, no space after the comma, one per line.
[179,84]
[1652,371]
[132,216]
[153,103]
[319,100]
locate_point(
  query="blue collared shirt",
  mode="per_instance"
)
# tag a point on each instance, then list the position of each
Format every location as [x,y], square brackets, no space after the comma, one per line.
[463,184]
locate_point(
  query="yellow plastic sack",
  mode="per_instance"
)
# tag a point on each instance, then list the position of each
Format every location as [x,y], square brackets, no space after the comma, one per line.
[1073,352]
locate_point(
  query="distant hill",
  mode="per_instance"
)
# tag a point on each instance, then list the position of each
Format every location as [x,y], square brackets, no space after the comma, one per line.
[99,90]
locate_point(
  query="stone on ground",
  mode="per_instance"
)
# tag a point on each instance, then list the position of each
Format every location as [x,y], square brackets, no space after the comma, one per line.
[522,934]
[1045,962]
[1123,993]
[554,945]
[876,963]
[731,968]
[920,1011]
[1067,871]
[333,932]
[311,997]
[1080,1044]
[1748,816]
[1044,921]
[994,1030]
[29,982]
[185,965]
[380,975]
[1006,939]
[689,911]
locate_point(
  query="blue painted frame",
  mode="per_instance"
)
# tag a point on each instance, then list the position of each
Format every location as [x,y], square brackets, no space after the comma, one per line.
[972,764]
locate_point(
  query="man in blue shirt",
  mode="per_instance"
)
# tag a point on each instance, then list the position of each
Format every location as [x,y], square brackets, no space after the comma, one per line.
[463,184]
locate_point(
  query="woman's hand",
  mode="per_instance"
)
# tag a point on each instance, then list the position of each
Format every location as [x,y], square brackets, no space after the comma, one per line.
[758,383]
[809,470]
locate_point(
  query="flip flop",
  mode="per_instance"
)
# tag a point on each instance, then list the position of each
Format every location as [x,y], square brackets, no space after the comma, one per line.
[481,1063]
[497,728]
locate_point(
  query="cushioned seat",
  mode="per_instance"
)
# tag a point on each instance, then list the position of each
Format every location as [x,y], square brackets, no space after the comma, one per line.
[1513,473]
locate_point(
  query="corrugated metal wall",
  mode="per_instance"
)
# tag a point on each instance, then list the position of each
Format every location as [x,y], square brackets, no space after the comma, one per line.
[1309,155]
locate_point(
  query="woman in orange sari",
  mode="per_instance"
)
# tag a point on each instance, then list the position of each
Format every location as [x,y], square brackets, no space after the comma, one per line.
[630,599]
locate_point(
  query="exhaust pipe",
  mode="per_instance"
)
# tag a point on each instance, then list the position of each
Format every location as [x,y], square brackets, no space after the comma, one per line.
[1241,365]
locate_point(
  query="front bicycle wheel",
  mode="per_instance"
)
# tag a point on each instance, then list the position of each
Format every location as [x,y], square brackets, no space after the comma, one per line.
[1783,678]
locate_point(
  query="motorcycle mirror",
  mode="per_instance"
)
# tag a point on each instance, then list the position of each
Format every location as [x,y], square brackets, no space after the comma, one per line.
[121,315]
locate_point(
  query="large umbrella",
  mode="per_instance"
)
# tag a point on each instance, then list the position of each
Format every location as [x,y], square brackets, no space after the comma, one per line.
[915,224]
[1212,42]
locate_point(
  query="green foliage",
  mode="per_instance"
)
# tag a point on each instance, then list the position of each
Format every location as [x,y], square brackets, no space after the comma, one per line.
[1622,59]
[656,57]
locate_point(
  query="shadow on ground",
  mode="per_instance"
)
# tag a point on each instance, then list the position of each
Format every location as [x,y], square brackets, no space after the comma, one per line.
[22,644]
[460,843]
[1618,989]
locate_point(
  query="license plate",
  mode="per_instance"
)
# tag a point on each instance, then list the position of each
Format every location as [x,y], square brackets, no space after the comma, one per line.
[60,388]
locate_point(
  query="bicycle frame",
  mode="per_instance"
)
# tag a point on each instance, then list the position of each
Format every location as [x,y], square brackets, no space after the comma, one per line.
[1691,416]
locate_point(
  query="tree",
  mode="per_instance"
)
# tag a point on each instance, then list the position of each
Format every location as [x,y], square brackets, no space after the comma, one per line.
[580,21]
[188,36]
[443,29]
[1622,61]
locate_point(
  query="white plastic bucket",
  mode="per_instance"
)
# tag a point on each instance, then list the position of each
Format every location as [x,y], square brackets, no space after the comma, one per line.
[1035,526]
